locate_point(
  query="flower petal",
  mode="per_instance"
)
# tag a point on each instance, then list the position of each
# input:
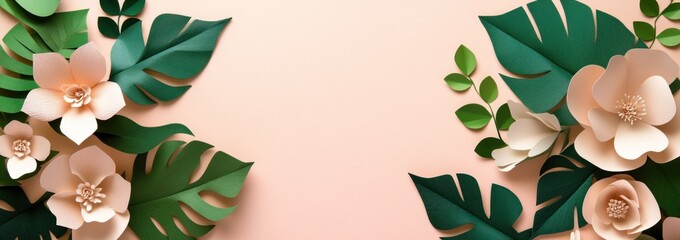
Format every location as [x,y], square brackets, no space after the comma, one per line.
[51,70]
[40,147]
[117,191]
[88,65]
[611,87]
[92,165]
[19,167]
[591,197]
[671,228]
[517,110]
[57,176]
[659,102]
[603,123]
[99,213]
[580,93]
[6,144]
[109,230]
[602,154]
[549,120]
[650,213]
[543,145]
[78,124]
[107,100]
[507,158]
[672,131]
[608,231]
[524,134]
[45,104]
[632,141]
[66,209]
[19,130]
[644,63]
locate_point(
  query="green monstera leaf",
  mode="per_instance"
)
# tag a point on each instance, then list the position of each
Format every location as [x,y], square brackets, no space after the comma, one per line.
[26,220]
[568,183]
[449,209]
[158,194]
[171,50]
[42,8]
[549,62]
[663,181]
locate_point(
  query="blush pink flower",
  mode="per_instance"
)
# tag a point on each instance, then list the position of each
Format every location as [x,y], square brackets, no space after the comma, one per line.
[619,207]
[22,149]
[627,110]
[77,92]
[671,228]
[90,197]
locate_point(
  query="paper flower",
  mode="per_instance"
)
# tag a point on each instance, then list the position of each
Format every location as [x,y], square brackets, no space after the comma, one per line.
[22,149]
[77,92]
[619,207]
[627,110]
[90,197]
[529,136]
[671,228]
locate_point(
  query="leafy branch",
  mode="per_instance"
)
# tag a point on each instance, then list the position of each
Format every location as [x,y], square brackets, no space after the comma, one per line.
[112,29]
[669,37]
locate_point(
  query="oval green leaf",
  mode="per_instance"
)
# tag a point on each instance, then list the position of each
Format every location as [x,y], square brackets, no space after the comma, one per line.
[488,90]
[41,8]
[503,117]
[128,23]
[465,60]
[458,82]
[649,8]
[487,145]
[474,116]
[133,7]
[644,30]
[669,37]
[110,7]
[672,12]
[108,27]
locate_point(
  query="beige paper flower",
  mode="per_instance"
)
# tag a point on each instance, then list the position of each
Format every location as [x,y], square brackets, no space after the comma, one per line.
[619,207]
[627,110]
[90,197]
[671,228]
[22,149]
[77,92]
[529,136]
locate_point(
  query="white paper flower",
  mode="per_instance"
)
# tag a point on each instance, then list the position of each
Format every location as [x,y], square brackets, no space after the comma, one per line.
[22,149]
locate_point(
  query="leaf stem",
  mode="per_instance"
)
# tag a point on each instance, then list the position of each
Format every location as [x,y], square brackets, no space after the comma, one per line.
[493,115]
[656,20]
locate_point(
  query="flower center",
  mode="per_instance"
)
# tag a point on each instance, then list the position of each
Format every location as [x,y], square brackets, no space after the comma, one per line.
[631,108]
[617,208]
[77,95]
[89,195]
[21,148]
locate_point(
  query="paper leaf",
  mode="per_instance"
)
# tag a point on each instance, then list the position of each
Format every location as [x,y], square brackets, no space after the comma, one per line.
[42,8]
[672,12]
[465,60]
[503,117]
[5,118]
[458,82]
[110,7]
[669,37]
[487,145]
[448,209]
[550,63]
[644,30]
[649,8]
[133,8]
[568,183]
[473,116]
[27,220]
[663,181]
[171,50]
[158,194]
[488,90]
[108,27]
[128,23]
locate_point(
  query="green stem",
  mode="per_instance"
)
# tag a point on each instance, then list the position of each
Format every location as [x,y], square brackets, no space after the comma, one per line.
[656,20]
[493,115]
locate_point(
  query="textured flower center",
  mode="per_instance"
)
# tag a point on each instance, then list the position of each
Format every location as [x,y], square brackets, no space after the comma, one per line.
[617,208]
[77,95]
[631,108]
[21,148]
[89,195]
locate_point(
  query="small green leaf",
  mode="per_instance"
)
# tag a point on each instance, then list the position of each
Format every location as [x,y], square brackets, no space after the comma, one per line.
[133,7]
[465,60]
[649,8]
[110,7]
[42,8]
[669,37]
[128,23]
[473,116]
[503,117]
[108,27]
[672,12]
[488,90]
[458,82]
[644,30]
[487,145]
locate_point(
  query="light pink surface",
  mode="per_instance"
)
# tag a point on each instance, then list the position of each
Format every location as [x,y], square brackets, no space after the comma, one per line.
[336,101]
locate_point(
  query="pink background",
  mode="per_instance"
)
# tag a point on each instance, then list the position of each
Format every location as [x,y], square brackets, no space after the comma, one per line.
[336,101]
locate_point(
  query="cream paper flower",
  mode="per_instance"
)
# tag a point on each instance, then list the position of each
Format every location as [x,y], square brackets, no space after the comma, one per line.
[619,207]
[22,149]
[530,135]
[627,110]
[90,197]
[77,92]
[671,228]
